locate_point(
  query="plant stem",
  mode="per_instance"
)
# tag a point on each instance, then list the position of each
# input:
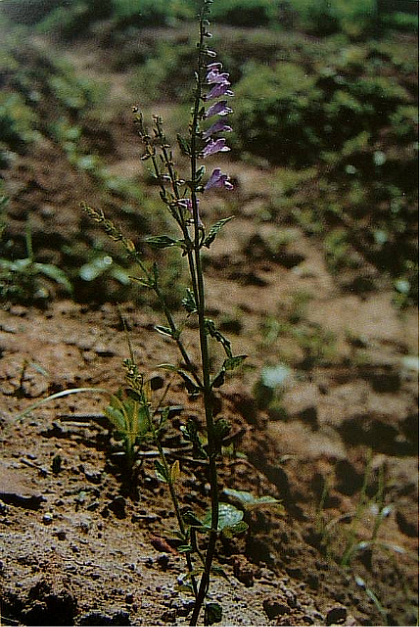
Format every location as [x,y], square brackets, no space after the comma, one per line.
[174,501]
[207,391]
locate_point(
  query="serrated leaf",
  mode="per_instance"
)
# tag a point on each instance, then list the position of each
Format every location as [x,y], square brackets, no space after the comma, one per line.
[212,613]
[160,472]
[214,230]
[162,241]
[248,500]
[234,362]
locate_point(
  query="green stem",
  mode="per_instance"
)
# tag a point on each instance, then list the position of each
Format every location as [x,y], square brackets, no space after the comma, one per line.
[207,391]
[175,502]
[187,239]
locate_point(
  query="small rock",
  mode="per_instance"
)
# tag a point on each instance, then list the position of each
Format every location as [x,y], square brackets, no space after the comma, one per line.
[61,534]
[119,617]
[92,474]
[117,506]
[275,608]
[47,518]
[157,382]
[336,616]
[169,616]
[15,490]
[244,571]
[103,350]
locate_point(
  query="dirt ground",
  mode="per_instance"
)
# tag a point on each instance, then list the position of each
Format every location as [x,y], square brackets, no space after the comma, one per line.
[84,542]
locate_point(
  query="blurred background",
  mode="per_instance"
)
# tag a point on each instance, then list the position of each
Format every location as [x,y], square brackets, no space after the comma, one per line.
[326,101]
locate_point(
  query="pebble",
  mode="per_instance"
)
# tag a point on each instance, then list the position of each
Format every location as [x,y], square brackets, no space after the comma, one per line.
[336,616]
[14,489]
[275,608]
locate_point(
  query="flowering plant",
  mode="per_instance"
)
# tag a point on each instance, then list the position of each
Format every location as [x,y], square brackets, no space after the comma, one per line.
[181,195]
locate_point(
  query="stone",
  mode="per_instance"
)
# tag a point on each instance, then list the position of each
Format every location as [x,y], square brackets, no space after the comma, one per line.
[16,490]
[336,616]
[275,608]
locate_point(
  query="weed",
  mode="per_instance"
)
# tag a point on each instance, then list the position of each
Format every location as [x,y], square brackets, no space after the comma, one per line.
[352,539]
[26,280]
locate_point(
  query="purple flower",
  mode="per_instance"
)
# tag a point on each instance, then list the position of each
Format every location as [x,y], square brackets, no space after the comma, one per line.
[215,77]
[219,108]
[213,67]
[186,203]
[218,179]
[218,127]
[220,89]
[214,146]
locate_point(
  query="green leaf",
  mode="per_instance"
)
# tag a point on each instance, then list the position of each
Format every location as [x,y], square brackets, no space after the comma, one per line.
[191,519]
[221,429]
[248,500]
[115,417]
[229,516]
[190,433]
[234,362]
[200,173]
[184,145]
[189,303]
[160,472]
[185,548]
[174,471]
[219,380]
[164,330]
[190,385]
[169,367]
[212,613]
[162,241]
[119,274]
[215,333]
[235,530]
[52,272]
[214,230]
[145,282]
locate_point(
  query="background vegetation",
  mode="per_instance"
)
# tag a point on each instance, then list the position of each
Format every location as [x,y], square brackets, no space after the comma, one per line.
[326,95]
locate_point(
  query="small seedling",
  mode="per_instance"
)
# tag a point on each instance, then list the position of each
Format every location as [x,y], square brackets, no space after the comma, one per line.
[25,280]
